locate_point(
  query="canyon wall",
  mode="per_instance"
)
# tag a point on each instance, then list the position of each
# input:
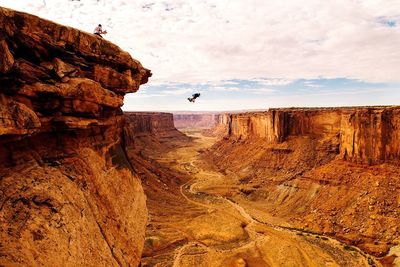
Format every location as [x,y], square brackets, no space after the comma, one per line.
[370,135]
[276,125]
[366,135]
[142,124]
[224,119]
[68,195]
[195,120]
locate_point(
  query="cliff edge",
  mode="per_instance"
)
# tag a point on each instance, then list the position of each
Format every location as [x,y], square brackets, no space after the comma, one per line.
[68,194]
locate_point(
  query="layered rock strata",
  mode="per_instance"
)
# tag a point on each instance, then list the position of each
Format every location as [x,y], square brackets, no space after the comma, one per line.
[154,123]
[370,135]
[366,135]
[68,195]
[150,124]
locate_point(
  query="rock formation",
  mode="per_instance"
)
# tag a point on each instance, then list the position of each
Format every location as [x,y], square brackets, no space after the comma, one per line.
[150,124]
[367,135]
[370,135]
[331,170]
[67,191]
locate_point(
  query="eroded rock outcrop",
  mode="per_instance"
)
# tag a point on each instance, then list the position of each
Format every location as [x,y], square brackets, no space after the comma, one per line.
[68,195]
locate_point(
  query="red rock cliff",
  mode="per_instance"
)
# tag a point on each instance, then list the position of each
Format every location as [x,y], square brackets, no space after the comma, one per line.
[370,135]
[366,135]
[68,195]
[156,124]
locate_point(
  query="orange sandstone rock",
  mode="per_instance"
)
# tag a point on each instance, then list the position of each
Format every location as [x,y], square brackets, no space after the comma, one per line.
[68,195]
[367,135]
[142,124]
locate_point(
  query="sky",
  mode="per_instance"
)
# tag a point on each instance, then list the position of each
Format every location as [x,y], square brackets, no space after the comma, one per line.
[247,54]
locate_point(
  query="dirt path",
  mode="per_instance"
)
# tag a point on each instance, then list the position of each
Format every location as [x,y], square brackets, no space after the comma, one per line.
[216,231]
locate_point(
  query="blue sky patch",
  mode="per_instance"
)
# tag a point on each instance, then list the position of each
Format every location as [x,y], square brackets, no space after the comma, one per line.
[262,93]
[390,22]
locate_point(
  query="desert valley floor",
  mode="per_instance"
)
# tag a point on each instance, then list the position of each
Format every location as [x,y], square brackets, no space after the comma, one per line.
[193,221]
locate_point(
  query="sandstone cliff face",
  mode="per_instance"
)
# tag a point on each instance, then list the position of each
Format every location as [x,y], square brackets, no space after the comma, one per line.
[188,120]
[366,135]
[68,195]
[224,119]
[156,123]
[276,125]
[371,135]
[149,124]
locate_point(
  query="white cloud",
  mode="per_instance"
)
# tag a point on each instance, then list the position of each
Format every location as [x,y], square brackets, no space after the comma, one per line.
[227,89]
[312,84]
[177,92]
[262,91]
[243,90]
[204,40]
[273,81]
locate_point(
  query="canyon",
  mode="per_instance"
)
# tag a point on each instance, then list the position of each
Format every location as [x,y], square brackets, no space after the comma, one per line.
[84,183]
[223,200]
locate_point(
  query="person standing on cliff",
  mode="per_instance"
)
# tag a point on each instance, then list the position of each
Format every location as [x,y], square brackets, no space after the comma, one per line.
[99,31]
